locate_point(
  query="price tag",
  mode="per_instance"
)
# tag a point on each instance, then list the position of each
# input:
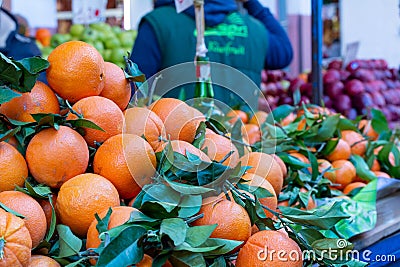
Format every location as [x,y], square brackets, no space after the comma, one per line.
[181,5]
[88,11]
[351,53]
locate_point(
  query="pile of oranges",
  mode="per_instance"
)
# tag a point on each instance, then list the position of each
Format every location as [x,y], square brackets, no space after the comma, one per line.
[84,184]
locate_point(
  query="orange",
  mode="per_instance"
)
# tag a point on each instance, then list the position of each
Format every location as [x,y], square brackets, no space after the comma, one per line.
[54,156]
[13,168]
[128,161]
[350,187]
[182,147]
[310,204]
[119,216]
[345,173]
[252,133]
[76,71]
[288,119]
[13,141]
[16,239]
[281,164]
[41,99]
[366,127]
[236,114]
[259,118]
[144,122]
[302,125]
[381,174]
[260,247]
[375,165]
[45,204]
[265,166]
[147,261]
[116,86]
[354,140]
[181,121]
[42,261]
[300,157]
[81,197]
[341,151]
[43,35]
[324,165]
[258,181]
[104,113]
[232,219]
[218,147]
[391,155]
[35,219]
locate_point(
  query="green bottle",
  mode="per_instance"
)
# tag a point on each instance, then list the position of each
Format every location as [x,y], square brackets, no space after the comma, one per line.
[204,92]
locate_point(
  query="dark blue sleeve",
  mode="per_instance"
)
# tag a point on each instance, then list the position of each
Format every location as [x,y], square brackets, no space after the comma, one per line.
[146,50]
[280,52]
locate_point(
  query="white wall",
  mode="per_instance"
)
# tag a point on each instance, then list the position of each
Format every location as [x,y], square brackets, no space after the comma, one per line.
[299,7]
[139,8]
[376,24]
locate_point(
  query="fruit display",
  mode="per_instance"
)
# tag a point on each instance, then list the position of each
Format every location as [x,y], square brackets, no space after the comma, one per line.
[100,181]
[111,41]
[354,90]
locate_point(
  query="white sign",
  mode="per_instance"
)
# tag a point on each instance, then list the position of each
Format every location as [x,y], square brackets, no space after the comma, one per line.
[182,5]
[88,11]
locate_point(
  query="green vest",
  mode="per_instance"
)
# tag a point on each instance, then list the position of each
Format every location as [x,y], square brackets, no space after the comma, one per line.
[240,42]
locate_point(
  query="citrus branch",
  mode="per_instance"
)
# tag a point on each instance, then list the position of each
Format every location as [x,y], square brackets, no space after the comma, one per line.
[80,116]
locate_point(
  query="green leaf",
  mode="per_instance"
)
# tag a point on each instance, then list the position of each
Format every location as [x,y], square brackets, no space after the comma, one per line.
[53,220]
[6,94]
[4,207]
[39,191]
[236,134]
[9,133]
[226,246]
[293,162]
[34,65]
[324,217]
[257,191]
[336,247]
[280,113]
[296,97]
[379,122]
[70,245]
[187,247]
[124,249]
[346,124]
[175,228]
[362,168]
[328,128]
[197,235]
[102,223]
[164,195]
[10,73]
[330,146]
[84,124]
[314,165]
[188,189]
[187,259]
[189,205]
[219,262]
[200,135]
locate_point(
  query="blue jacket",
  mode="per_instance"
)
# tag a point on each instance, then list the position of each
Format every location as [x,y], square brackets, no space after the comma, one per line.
[147,54]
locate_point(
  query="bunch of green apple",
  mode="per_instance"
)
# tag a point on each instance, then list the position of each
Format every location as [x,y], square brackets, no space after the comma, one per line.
[111,41]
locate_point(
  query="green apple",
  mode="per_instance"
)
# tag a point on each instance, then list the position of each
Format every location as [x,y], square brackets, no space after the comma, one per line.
[125,38]
[116,29]
[112,43]
[106,54]
[100,26]
[46,51]
[117,55]
[76,30]
[89,35]
[98,45]
[59,38]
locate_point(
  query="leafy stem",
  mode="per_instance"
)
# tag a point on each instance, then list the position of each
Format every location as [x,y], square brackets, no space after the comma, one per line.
[80,116]
[2,244]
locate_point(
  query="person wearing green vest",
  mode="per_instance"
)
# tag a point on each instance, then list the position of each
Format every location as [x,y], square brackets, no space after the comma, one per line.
[247,42]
